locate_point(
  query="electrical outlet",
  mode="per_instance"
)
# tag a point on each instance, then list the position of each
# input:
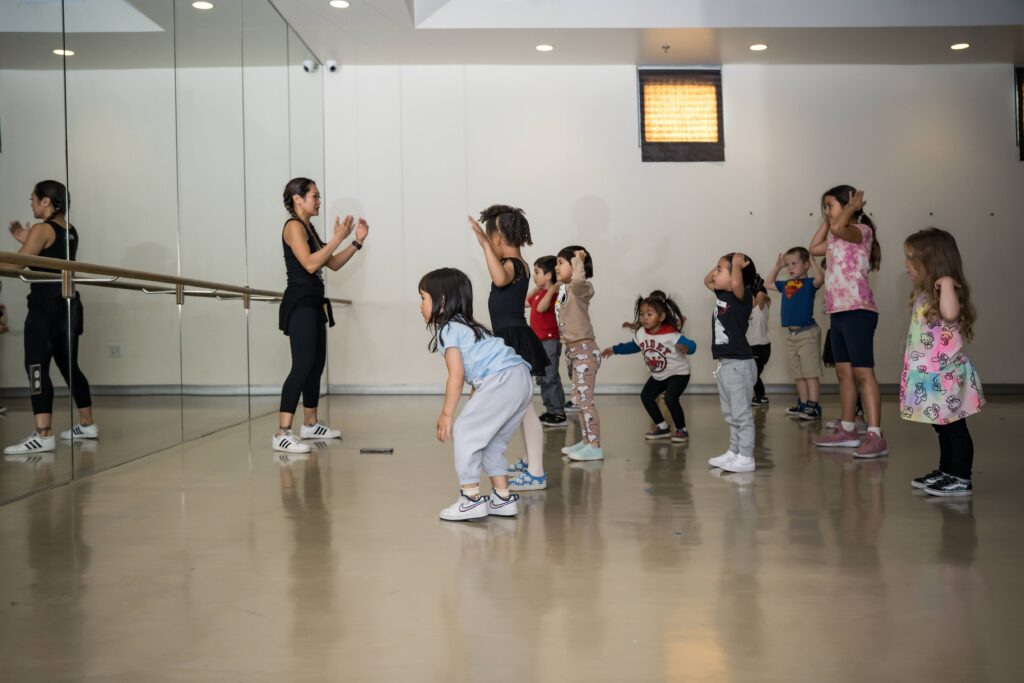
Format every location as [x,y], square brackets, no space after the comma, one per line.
[115,351]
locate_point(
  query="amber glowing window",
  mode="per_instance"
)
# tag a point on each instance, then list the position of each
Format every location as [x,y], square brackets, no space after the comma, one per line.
[681,115]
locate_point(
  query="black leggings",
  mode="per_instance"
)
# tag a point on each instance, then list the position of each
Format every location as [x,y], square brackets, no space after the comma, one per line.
[308,334]
[956,449]
[46,338]
[762,352]
[673,387]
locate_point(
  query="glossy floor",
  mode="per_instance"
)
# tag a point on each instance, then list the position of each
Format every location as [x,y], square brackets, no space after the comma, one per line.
[215,561]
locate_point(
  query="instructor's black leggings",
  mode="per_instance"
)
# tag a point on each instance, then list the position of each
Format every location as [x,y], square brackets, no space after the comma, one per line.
[307,331]
[673,387]
[46,338]
[762,352]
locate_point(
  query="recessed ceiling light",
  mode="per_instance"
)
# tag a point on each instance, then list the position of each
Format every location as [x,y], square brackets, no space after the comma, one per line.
[64,53]
[959,46]
[757,47]
[545,48]
[340,4]
[203,5]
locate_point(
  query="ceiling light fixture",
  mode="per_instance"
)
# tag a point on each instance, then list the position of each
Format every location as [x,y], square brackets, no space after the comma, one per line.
[758,47]
[545,48]
[959,46]
[203,5]
[64,53]
[340,4]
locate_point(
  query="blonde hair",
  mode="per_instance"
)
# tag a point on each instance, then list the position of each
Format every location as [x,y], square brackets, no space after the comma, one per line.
[935,255]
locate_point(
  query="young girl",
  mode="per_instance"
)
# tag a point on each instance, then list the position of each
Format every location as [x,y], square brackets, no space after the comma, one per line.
[574,268]
[849,241]
[47,336]
[665,351]
[939,385]
[733,281]
[507,231]
[541,302]
[502,393]
[305,311]
[760,343]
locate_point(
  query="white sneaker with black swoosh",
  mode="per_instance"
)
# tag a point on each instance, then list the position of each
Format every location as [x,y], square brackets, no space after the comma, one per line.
[319,431]
[503,507]
[32,444]
[287,442]
[466,508]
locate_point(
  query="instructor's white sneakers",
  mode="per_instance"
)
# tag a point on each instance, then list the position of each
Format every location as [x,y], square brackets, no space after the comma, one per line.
[82,432]
[287,442]
[319,431]
[32,444]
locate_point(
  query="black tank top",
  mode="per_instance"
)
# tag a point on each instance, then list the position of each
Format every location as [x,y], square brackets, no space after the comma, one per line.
[507,305]
[66,240]
[297,275]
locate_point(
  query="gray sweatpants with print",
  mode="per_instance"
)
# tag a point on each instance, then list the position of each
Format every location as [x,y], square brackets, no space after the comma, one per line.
[488,420]
[736,380]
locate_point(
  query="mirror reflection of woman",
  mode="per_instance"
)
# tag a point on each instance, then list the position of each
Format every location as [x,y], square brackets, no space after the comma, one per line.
[305,311]
[46,326]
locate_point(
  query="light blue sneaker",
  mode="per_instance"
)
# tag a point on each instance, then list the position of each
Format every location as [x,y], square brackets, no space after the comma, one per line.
[588,452]
[573,448]
[527,482]
[517,467]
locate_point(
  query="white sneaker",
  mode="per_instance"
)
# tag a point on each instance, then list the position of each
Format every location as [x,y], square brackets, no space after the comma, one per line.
[319,431]
[719,459]
[738,463]
[569,450]
[502,507]
[82,432]
[466,508]
[32,444]
[288,443]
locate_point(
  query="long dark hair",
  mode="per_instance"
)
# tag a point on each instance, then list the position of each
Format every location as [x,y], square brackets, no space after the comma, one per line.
[451,298]
[842,194]
[662,303]
[510,221]
[58,195]
[300,186]
[751,278]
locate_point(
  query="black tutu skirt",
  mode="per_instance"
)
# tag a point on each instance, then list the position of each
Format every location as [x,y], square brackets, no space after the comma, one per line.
[525,343]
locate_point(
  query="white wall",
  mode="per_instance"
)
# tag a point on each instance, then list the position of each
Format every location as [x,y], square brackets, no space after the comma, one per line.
[416,148]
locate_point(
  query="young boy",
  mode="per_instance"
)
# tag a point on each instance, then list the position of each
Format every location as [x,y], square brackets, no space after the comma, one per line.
[803,341]
[541,302]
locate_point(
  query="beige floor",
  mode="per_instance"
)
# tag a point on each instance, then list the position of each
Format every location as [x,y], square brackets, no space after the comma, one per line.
[213,562]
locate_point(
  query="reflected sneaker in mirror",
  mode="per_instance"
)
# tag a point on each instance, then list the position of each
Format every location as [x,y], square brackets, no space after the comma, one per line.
[32,444]
[35,460]
[286,442]
[319,431]
[465,508]
[286,460]
[81,432]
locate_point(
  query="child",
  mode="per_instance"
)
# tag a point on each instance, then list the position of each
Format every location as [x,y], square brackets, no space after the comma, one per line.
[502,393]
[939,385]
[574,268]
[760,343]
[733,281]
[849,241]
[541,302]
[507,231]
[803,338]
[665,351]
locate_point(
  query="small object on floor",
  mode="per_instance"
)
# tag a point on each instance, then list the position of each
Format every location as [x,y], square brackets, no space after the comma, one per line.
[377,450]
[795,409]
[287,442]
[525,481]
[759,401]
[950,487]
[552,420]
[926,480]
[680,436]
[319,431]
[80,431]
[465,508]
[658,433]
[32,444]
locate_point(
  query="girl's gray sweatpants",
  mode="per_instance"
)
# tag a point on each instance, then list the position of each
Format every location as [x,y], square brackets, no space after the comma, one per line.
[489,419]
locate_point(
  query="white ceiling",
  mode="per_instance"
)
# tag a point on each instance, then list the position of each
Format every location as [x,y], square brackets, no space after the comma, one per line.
[635,31]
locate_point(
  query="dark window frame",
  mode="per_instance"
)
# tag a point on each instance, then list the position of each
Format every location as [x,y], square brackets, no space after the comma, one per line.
[681,151]
[1019,100]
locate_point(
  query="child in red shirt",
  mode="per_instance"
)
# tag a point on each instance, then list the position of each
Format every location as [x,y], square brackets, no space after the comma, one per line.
[541,302]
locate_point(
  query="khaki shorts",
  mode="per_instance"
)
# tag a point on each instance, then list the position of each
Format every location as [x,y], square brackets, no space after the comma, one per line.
[803,353]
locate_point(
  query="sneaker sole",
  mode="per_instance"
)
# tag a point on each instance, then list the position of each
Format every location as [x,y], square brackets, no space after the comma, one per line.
[683,440]
[463,518]
[879,454]
[737,470]
[574,457]
[528,487]
[919,485]
[279,449]
[839,444]
[656,437]
[948,494]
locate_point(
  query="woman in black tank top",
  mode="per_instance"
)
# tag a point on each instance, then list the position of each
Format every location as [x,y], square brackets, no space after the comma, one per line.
[47,336]
[305,311]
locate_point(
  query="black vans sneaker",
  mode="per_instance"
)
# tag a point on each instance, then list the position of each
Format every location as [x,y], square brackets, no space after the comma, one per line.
[950,486]
[927,480]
